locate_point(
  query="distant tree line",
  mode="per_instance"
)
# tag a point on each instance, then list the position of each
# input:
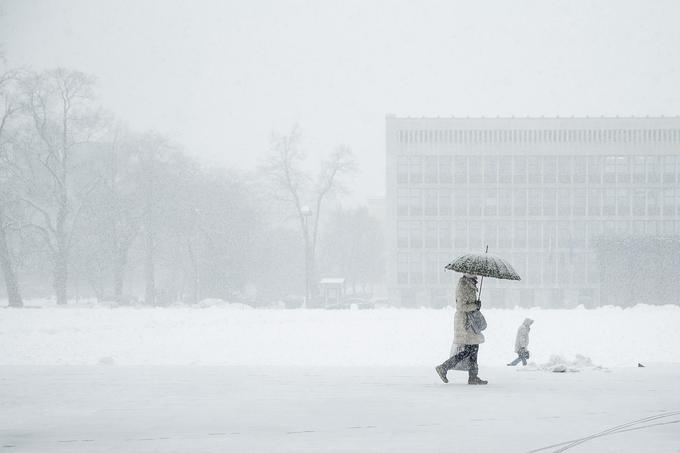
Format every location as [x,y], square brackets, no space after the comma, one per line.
[91,208]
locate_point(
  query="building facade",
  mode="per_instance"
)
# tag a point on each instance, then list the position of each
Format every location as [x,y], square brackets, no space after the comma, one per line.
[540,192]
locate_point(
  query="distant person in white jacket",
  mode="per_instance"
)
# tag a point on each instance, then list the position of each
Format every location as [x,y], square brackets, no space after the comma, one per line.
[522,343]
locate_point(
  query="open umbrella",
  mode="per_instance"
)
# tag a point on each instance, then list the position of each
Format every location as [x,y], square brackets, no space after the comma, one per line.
[483,264]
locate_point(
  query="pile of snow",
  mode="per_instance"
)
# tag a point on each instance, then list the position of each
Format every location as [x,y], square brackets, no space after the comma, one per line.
[559,364]
[237,336]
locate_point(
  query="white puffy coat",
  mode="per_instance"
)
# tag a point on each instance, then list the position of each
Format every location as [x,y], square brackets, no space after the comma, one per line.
[466,296]
[522,340]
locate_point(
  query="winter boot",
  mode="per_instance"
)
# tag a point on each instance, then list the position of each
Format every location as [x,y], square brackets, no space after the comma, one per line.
[474,380]
[442,373]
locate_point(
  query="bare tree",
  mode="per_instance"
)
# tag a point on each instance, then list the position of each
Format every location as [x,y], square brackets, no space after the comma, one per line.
[9,109]
[60,104]
[306,195]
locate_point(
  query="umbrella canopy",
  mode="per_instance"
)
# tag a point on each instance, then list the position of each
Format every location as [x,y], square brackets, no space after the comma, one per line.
[485,265]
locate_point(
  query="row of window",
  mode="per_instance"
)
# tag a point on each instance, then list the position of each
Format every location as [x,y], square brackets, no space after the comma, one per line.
[534,268]
[439,169]
[521,234]
[538,136]
[620,202]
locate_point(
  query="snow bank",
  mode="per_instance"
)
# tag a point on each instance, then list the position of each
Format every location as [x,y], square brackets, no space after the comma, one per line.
[609,336]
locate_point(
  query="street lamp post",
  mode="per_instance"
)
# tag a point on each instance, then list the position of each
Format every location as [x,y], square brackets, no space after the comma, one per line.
[306,215]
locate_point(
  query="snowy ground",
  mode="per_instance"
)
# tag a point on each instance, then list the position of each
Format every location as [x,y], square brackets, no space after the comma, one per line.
[348,409]
[219,379]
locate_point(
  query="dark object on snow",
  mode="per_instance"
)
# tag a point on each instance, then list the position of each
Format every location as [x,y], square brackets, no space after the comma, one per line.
[640,365]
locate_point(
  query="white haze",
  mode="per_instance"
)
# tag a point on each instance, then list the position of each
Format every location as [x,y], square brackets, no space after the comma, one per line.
[220,77]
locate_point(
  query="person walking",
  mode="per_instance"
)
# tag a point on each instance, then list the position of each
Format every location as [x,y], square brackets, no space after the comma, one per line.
[466,303]
[522,343]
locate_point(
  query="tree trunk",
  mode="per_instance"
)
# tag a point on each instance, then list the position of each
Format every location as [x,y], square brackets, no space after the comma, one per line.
[119,264]
[13,295]
[61,253]
[61,277]
[149,273]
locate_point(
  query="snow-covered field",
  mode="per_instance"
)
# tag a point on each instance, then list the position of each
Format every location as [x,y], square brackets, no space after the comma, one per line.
[80,379]
[238,337]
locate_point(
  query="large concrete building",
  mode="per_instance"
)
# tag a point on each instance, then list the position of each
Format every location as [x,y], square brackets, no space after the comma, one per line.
[538,191]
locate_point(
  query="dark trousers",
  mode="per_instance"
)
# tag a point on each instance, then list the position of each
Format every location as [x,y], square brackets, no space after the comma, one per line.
[469,350]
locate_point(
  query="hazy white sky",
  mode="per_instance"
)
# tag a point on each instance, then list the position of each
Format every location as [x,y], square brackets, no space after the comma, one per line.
[220,76]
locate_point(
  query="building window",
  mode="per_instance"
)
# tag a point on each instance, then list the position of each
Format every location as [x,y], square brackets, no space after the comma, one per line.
[432,269]
[402,170]
[595,202]
[505,203]
[460,202]
[491,235]
[565,164]
[639,169]
[415,170]
[579,236]
[549,169]
[444,202]
[475,235]
[460,171]
[520,170]
[416,269]
[549,203]
[669,175]
[431,168]
[445,175]
[416,235]
[610,169]
[580,202]
[444,235]
[505,169]
[475,203]
[430,202]
[402,269]
[402,235]
[535,202]
[609,202]
[622,169]
[580,169]
[564,202]
[431,235]
[668,203]
[475,170]
[653,170]
[519,202]
[623,202]
[535,237]
[416,204]
[534,169]
[639,197]
[505,235]
[653,205]
[490,169]
[402,202]
[460,236]
[595,170]
[549,236]
[490,203]
[520,234]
